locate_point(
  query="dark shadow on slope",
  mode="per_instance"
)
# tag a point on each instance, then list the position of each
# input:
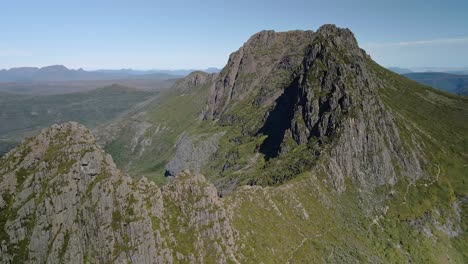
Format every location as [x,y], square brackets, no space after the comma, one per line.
[278,121]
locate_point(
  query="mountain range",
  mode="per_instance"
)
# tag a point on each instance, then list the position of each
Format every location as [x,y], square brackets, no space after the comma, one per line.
[302,149]
[452,83]
[61,73]
[459,70]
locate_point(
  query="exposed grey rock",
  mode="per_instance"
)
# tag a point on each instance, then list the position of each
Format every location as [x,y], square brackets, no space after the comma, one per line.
[192,152]
[63,200]
[252,65]
[194,79]
[316,89]
[451,225]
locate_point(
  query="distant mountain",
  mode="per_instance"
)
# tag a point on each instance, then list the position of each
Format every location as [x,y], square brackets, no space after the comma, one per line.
[181,72]
[452,83]
[145,82]
[62,73]
[212,70]
[454,70]
[399,70]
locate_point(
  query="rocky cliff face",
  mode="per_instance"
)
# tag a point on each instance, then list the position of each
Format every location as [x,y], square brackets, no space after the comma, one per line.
[265,54]
[63,200]
[193,80]
[315,89]
[192,153]
[144,139]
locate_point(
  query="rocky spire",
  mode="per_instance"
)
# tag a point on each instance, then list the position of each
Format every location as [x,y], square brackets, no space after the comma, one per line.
[314,88]
[64,201]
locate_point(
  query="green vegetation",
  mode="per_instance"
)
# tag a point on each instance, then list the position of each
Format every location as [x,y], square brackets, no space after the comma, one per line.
[66,240]
[439,121]
[116,220]
[101,176]
[21,176]
[172,113]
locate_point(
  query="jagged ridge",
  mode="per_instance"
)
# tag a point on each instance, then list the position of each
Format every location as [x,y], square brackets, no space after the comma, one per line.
[313,89]
[63,200]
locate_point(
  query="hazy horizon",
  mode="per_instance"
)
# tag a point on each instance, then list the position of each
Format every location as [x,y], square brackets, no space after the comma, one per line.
[414,69]
[146,35]
[110,69]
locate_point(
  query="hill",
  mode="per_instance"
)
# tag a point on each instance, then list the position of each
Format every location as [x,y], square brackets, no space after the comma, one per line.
[452,83]
[62,73]
[400,70]
[311,152]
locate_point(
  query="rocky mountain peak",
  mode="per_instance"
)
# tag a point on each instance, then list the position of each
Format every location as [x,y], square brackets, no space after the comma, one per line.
[194,79]
[313,88]
[268,54]
[269,38]
[64,201]
[54,68]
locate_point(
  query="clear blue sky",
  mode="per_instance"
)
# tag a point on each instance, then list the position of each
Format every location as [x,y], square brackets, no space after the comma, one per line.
[199,34]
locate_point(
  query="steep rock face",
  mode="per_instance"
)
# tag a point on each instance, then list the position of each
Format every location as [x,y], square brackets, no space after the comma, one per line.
[192,153]
[316,90]
[63,200]
[194,80]
[143,141]
[251,65]
[337,104]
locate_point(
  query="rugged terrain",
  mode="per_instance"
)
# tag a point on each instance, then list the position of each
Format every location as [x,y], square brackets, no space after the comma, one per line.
[63,200]
[311,152]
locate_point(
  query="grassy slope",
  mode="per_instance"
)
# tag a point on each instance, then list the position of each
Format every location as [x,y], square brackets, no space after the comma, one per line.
[171,114]
[23,115]
[440,120]
[305,221]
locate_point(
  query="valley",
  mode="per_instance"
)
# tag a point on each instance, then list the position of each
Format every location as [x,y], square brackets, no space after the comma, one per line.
[24,115]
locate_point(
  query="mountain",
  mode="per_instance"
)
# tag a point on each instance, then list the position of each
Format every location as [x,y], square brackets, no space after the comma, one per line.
[400,70]
[452,83]
[86,210]
[61,73]
[179,72]
[453,70]
[311,153]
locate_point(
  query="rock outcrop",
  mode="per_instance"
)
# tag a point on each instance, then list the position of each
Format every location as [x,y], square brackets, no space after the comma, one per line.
[63,200]
[192,153]
[315,89]
[194,79]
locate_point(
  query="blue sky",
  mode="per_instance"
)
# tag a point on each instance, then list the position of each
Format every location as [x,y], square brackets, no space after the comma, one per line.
[199,34]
